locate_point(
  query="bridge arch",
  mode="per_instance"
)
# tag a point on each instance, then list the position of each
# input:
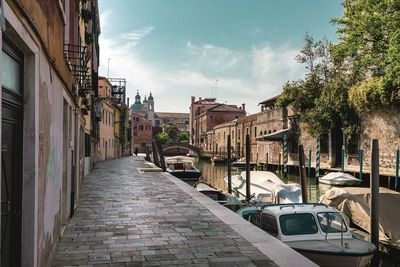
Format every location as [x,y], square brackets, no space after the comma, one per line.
[195,149]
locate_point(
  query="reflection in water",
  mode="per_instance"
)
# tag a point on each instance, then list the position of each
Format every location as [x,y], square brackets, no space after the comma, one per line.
[214,175]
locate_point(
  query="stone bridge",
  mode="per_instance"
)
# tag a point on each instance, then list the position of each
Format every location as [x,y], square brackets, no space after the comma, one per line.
[195,149]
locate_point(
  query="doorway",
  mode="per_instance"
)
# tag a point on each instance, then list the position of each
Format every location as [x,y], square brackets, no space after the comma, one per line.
[11,155]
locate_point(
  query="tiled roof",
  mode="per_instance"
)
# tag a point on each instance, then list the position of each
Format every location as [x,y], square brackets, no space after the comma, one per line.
[270,100]
[172,115]
[224,107]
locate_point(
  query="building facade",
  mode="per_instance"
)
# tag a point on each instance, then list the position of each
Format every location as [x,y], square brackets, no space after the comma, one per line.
[142,130]
[44,118]
[205,114]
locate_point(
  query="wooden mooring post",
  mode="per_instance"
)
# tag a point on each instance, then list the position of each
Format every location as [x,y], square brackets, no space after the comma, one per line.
[396,180]
[229,164]
[161,154]
[361,163]
[374,181]
[303,174]
[266,162]
[248,167]
[147,154]
[156,160]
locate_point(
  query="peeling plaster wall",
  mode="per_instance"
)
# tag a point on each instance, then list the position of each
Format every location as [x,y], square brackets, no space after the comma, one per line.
[50,160]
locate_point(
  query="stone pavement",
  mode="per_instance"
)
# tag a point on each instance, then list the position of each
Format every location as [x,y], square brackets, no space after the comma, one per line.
[127,218]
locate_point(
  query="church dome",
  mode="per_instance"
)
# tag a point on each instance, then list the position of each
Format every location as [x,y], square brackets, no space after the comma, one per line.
[151,97]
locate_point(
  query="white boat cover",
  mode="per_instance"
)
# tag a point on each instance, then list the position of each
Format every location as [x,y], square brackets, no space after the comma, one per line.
[355,203]
[339,178]
[200,186]
[267,187]
[170,160]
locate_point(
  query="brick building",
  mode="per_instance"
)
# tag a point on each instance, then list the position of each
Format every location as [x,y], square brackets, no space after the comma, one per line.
[206,113]
[142,132]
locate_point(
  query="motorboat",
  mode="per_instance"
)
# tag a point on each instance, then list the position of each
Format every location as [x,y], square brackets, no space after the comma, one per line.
[265,187]
[339,178]
[317,231]
[182,167]
[216,194]
[354,202]
[241,164]
[217,159]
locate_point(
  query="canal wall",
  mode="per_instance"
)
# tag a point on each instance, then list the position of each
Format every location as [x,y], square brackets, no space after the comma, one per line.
[278,252]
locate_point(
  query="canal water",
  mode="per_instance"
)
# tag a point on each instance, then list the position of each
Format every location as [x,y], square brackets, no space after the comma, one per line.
[214,174]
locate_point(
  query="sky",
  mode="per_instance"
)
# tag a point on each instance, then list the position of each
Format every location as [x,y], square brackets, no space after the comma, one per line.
[234,50]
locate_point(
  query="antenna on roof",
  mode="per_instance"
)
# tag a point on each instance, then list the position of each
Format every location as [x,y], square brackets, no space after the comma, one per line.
[215,87]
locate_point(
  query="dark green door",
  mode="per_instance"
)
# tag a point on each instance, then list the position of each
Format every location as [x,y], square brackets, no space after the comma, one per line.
[11,158]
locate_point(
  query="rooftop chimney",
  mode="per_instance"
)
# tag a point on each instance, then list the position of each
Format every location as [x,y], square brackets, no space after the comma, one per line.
[193,99]
[244,107]
[200,98]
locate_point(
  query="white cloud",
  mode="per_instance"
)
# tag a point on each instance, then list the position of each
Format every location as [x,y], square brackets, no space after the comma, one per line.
[243,77]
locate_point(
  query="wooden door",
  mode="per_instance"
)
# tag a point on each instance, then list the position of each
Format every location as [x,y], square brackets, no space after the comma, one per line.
[11,157]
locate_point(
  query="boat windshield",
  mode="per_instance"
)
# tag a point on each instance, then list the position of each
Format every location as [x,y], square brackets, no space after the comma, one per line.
[331,222]
[298,224]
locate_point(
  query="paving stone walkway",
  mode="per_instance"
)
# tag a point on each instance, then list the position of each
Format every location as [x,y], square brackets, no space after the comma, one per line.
[127,218]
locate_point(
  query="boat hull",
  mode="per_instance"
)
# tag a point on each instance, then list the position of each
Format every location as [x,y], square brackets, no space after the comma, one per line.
[337,259]
[186,175]
[341,183]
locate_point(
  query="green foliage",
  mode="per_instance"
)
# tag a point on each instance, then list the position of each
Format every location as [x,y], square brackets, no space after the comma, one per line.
[359,74]
[171,134]
[366,95]
[370,41]
[321,98]
[163,137]
[183,137]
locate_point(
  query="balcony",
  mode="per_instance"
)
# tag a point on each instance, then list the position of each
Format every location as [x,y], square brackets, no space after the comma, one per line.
[78,57]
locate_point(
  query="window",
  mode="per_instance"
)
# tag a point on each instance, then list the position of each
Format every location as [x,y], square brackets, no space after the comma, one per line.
[298,224]
[269,225]
[331,222]
[254,219]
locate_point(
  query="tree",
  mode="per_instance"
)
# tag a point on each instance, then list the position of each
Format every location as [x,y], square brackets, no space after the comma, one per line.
[321,98]
[369,33]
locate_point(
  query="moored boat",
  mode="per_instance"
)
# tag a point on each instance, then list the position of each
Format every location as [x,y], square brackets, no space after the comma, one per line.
[241,164]
[266,187]
[217,159]
[216,194]
[182,167]
[316,231]
[354,202]
[339,178]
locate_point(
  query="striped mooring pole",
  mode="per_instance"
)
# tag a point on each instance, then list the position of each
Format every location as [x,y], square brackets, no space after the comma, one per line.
[317,159]
[285,156]
[396,180]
